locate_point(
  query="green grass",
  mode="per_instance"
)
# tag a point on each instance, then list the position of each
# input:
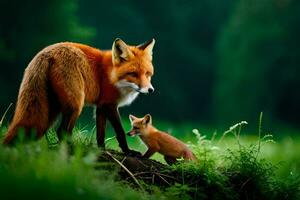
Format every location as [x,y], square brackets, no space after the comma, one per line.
[235,166]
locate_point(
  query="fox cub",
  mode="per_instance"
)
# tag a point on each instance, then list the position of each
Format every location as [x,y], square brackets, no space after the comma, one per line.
[158,141]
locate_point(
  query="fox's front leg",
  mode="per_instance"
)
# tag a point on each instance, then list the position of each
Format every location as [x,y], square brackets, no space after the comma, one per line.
[149,153]
[113,116]
[101,126]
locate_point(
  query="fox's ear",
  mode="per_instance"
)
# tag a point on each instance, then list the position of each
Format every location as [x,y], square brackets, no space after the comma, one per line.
[120,52]
[147,119]
[148,47]
[131,118]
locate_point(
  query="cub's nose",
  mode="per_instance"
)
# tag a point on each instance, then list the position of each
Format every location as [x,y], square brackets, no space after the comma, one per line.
[151,90]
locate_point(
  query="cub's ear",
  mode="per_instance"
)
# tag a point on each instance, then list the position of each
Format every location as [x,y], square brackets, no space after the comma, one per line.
[131,118]
[147,47]
[147,119]
[120,52]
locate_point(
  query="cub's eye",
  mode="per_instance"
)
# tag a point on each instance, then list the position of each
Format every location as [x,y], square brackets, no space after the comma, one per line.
[132,74]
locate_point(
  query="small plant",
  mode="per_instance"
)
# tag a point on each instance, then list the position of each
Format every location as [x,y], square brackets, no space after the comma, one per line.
[2,118]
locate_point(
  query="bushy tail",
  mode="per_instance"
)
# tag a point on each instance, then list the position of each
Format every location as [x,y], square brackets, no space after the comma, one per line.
[32,108]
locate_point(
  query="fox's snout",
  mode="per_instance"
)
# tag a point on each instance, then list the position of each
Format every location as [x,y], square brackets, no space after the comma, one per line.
[151,90]
[136,87]
[147,90]
[131,133]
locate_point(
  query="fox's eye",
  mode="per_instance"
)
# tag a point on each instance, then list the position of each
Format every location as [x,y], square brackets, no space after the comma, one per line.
[148,74]
[132,74]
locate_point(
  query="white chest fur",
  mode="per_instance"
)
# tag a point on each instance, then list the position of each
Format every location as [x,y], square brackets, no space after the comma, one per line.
[128,92]
[128,95]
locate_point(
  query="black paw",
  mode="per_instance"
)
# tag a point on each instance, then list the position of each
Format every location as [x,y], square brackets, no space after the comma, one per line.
[133,153]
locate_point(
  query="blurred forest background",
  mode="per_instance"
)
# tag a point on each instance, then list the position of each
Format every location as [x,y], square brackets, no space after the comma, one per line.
[216,62]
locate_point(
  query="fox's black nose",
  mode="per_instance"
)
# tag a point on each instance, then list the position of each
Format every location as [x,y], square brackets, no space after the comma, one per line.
[150,90]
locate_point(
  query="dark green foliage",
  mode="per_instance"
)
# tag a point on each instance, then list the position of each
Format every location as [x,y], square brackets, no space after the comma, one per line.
[259,62]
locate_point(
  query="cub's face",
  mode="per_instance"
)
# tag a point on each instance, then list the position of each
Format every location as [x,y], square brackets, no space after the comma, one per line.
[139,126]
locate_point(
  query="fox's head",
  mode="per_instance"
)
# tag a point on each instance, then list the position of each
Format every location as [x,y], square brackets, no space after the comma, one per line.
[132,66]
[139,126]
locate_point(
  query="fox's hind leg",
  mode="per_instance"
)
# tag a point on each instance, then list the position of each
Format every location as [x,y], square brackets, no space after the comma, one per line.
[68,121]
[170,160]
[68,86]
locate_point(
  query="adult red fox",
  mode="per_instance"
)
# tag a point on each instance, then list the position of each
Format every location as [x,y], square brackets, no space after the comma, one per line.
[158,141]
[63,77]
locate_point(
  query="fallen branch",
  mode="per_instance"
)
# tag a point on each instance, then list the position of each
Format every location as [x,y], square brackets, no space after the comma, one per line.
[125,168]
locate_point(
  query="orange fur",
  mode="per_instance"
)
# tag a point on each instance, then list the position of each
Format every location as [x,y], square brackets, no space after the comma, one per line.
[63,77]
[158,141]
